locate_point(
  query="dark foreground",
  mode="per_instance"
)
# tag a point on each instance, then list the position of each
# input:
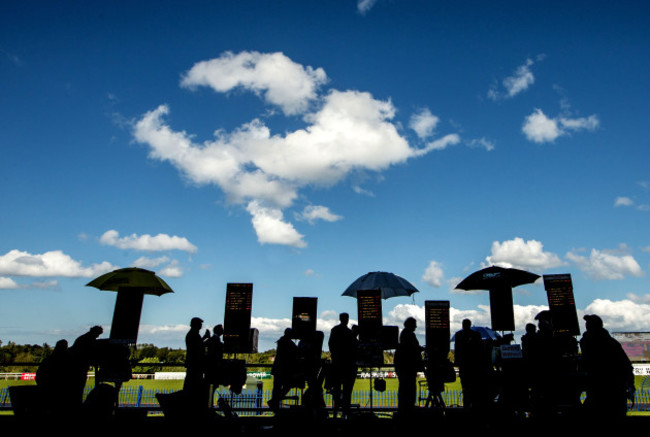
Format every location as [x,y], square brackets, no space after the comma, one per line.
[453,422]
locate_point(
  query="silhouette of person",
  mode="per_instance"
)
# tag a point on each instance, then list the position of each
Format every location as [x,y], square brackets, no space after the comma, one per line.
[469,358]
[83,354]
[343,349]
[408,362]
[214,355]
[283,369]
[52,379]
[194,385]
[609,373]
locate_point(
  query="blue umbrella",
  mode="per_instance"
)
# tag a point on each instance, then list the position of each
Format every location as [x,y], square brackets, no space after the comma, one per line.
[390,285]
[486,333]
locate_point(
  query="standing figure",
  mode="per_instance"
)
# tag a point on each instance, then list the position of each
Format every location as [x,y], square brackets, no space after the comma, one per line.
[469,357]
[214,369]
[609,373]
[343,348]
[284,368]
[194,385]
[408,362]
[83,354]
[52,379]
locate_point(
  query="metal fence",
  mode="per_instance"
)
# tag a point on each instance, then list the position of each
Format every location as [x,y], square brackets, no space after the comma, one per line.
[252,402]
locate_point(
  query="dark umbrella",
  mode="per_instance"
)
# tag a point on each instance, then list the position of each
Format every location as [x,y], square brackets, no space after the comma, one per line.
[486,333]
[389,284]
[500,281]
[134,278]
[494,277]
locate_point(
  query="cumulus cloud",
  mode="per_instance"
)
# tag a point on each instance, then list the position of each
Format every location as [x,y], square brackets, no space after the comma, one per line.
[623,201]
[518,82]
[7,283]
[363,6]
[274,76]
[540,128]
[312,213]
[147,242]
[172,269]
[345,132]
[423,123]
[271,227]
[517,253]
[623,315]
[53,263]
[482,143]
[433,275]
[606,264]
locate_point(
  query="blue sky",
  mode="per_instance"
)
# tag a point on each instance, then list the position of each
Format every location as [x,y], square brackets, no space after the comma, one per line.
[299,145]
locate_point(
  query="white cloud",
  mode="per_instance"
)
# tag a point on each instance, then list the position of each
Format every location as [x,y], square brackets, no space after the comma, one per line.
[147,242]
[345,132]
[517,253]
[423,123]
[606,265]
[150,263]
[639,299]
[172,270]
[623,201]
[624,315]
[518,82]
[312,213]
[53,263]
[363,6]
[433,275]
[271,227]
[7,283]
[539,128]
[281,81]
[482,143]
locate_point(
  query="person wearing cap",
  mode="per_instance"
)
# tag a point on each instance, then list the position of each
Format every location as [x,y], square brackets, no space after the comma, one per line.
[194,384]
[608,370]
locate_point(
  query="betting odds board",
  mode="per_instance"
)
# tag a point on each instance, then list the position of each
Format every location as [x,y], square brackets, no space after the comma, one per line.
[237,317]
[561,303]
[303,320]
[126,316]
[502,312]
[369,313]
[436,324]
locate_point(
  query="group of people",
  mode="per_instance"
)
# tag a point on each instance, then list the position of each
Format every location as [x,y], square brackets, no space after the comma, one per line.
[555,369]
[204,363]
[61,377]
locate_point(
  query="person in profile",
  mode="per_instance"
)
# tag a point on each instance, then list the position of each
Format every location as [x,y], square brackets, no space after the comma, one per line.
[408,362]
[52,379]
[343,349]
[83,355]
[469,357]
[609,372]
[284,369]
[194,385]
[214,355]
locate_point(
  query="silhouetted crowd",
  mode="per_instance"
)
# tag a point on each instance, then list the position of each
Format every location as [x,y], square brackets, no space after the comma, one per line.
[546,379]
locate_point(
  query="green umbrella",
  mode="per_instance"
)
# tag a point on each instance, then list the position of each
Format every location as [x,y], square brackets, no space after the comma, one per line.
[134,278]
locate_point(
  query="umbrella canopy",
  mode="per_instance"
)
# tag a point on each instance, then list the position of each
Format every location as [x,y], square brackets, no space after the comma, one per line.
[495,277]
[486,333]
[131,277]
[390,285]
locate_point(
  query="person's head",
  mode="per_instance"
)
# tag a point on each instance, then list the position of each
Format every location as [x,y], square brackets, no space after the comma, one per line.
[196,323]
[96,331]
[544,321]
[218,330]
[410,324]
[530,328]
[61,345]
[593,322]
[287,332]
[344,318]
[467,324]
